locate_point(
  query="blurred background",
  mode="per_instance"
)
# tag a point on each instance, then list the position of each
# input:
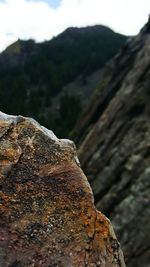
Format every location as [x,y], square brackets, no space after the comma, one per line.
[53,52]
[82,69]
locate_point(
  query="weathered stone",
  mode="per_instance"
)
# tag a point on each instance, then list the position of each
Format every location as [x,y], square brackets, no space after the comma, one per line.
[114,146]
[47,215]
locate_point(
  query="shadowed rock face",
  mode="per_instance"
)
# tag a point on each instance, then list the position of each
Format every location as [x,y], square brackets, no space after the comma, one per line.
[114,147]
[47,215]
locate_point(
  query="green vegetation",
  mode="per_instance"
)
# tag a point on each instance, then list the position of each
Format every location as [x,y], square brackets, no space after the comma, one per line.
[14,48]
[32,74]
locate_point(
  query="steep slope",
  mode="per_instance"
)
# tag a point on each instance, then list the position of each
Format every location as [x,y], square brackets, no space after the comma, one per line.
[113,136]
[34,74]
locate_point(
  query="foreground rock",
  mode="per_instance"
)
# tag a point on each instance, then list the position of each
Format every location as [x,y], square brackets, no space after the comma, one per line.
[47,215]
[114,147]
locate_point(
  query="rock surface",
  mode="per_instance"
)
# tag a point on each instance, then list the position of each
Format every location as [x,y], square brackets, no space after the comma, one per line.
[114,147]
[47,215]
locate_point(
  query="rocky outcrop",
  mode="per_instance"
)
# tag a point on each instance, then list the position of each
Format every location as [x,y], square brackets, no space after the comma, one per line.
[113,136]
[47,215]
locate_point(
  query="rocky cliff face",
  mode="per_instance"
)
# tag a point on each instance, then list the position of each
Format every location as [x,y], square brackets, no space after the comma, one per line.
[47,215]
[113,136]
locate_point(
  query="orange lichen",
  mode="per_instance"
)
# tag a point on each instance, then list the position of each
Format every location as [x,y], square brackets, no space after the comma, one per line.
[46,204]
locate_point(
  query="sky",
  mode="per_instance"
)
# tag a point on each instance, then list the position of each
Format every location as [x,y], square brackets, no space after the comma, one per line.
[43,19]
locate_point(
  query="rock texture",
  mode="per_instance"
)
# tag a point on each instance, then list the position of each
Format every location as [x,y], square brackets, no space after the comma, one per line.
[47,215]
[113,136]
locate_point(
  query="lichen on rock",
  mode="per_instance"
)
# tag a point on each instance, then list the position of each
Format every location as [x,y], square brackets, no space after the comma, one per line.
[47,214]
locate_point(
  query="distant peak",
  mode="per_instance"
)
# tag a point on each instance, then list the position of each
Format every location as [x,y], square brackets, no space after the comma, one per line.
[19,46]
[14,48]
[88,28]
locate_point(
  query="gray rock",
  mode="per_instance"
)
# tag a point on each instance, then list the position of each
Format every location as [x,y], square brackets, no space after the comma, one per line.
[113,136]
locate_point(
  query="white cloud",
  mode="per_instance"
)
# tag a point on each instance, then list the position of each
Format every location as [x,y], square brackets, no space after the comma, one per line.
[36,19]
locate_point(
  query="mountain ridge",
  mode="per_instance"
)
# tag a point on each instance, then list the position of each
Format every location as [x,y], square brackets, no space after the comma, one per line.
[34,74]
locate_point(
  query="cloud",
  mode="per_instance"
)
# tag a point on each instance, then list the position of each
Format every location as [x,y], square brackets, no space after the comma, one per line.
[36,19]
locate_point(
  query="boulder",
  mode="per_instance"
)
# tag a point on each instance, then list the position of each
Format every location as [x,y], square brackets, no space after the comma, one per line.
[47,214]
